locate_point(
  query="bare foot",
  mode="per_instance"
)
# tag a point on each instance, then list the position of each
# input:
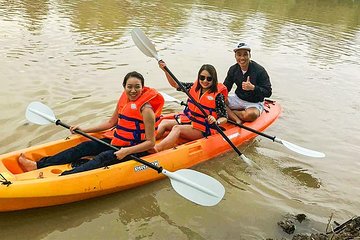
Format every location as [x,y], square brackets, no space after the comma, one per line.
[26,164]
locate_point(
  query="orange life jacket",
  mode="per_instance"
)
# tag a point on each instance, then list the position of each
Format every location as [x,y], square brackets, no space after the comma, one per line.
[180,118]
[207,102]
[130,128]
[183,118]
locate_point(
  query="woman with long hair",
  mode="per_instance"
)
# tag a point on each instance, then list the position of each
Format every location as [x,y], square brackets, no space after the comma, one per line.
[211,95]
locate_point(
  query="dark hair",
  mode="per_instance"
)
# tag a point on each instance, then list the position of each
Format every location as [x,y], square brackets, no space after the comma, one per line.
[212,71]
[135,75]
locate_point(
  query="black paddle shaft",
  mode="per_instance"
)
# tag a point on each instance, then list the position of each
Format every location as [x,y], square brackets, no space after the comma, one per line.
[150,165]
[253,130]
[203,111]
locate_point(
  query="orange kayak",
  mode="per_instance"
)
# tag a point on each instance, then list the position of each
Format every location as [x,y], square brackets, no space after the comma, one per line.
[44,187]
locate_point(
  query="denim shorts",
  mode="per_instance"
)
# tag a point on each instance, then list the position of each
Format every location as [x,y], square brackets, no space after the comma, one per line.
[235,103]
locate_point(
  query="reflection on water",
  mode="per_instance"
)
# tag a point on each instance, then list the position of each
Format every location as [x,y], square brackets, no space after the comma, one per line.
[302,176]
[35,12]
[129,208]
[99,22]
[72,55]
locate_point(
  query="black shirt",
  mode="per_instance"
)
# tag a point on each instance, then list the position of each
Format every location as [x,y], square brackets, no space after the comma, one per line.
[258,77]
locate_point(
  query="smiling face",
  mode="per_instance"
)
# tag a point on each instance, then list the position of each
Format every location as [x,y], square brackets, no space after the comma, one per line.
[242,57]
[133,88]
[205,79]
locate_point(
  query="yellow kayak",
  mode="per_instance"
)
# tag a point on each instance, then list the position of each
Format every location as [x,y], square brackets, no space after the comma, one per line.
[44,187]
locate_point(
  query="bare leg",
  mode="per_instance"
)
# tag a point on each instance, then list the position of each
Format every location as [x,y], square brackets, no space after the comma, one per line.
[165,125]
[248,115]
[184,131]
[26,164]
[232,115]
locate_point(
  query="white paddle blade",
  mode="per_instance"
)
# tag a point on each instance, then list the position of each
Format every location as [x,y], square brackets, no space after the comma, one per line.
[39,113]
[144,44]
[301,150]
[196,187]
[169,98]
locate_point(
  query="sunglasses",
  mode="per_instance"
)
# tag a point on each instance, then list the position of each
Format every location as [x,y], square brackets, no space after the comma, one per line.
[202,78]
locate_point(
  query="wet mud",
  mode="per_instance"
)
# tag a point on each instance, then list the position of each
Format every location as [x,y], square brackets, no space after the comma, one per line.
[349,229]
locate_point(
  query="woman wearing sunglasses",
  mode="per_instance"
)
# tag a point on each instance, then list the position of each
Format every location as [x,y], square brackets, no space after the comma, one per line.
[210,94]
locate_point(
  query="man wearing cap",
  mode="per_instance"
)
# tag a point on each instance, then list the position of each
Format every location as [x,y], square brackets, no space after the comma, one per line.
[252,86]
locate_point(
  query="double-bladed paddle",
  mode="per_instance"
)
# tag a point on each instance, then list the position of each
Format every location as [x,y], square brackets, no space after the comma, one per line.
[192,185]
[148,48]
[291,146]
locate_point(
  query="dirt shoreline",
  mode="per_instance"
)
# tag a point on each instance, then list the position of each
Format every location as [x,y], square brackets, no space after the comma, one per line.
[349,229]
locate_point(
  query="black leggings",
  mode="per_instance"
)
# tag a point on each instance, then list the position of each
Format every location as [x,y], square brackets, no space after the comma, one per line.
[104,156]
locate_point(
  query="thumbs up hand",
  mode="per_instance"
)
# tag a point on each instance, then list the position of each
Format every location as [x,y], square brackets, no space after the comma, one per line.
[247,85]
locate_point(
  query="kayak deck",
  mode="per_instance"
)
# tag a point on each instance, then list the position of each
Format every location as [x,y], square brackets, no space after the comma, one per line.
[44,187]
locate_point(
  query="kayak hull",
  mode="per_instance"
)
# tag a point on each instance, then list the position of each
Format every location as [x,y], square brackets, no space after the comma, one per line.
[44,187]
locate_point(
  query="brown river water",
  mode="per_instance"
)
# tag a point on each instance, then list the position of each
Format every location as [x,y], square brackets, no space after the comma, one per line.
[73,55]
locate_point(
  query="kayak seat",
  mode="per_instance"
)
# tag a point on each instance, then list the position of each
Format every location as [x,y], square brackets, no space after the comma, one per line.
[12,165]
